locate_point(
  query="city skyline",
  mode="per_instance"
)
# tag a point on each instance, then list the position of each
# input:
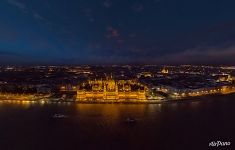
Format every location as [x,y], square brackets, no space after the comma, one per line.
[117,74]
[116,32]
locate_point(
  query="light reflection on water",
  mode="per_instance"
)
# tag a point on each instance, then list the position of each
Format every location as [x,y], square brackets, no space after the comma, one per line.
[95,126]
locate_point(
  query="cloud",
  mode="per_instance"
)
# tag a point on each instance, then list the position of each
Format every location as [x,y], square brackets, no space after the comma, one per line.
[200,56]
[38,16]
[157,1]
[212,55]
[138,7]
[114,59]
[4,54]
[112,33]
[21,6]
[9,59]
[88,12]
[8,34]
[107,4]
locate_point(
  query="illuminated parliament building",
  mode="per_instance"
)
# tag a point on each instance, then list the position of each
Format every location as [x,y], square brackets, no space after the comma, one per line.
[110,89]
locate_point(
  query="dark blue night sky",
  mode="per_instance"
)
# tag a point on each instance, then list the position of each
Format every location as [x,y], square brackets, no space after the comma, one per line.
[117,31]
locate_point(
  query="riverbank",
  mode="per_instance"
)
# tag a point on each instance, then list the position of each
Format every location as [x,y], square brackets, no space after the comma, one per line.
[30,99]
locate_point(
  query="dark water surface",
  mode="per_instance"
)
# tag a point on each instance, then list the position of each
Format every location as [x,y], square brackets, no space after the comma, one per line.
[184,125]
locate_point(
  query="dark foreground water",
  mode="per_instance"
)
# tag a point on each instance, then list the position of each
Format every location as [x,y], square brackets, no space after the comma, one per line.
[184,125]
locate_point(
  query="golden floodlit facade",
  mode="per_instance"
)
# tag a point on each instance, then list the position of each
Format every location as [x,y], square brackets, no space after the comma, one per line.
[111,89]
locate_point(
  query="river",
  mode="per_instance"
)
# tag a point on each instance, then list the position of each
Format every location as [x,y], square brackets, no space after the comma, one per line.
[191,124]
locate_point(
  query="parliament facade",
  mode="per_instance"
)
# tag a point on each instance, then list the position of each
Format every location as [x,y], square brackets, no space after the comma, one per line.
[110,89]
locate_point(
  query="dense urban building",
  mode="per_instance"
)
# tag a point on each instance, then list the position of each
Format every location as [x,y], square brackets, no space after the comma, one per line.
[117,82]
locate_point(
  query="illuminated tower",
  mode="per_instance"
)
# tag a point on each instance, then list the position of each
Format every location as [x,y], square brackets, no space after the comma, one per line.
[165,71]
